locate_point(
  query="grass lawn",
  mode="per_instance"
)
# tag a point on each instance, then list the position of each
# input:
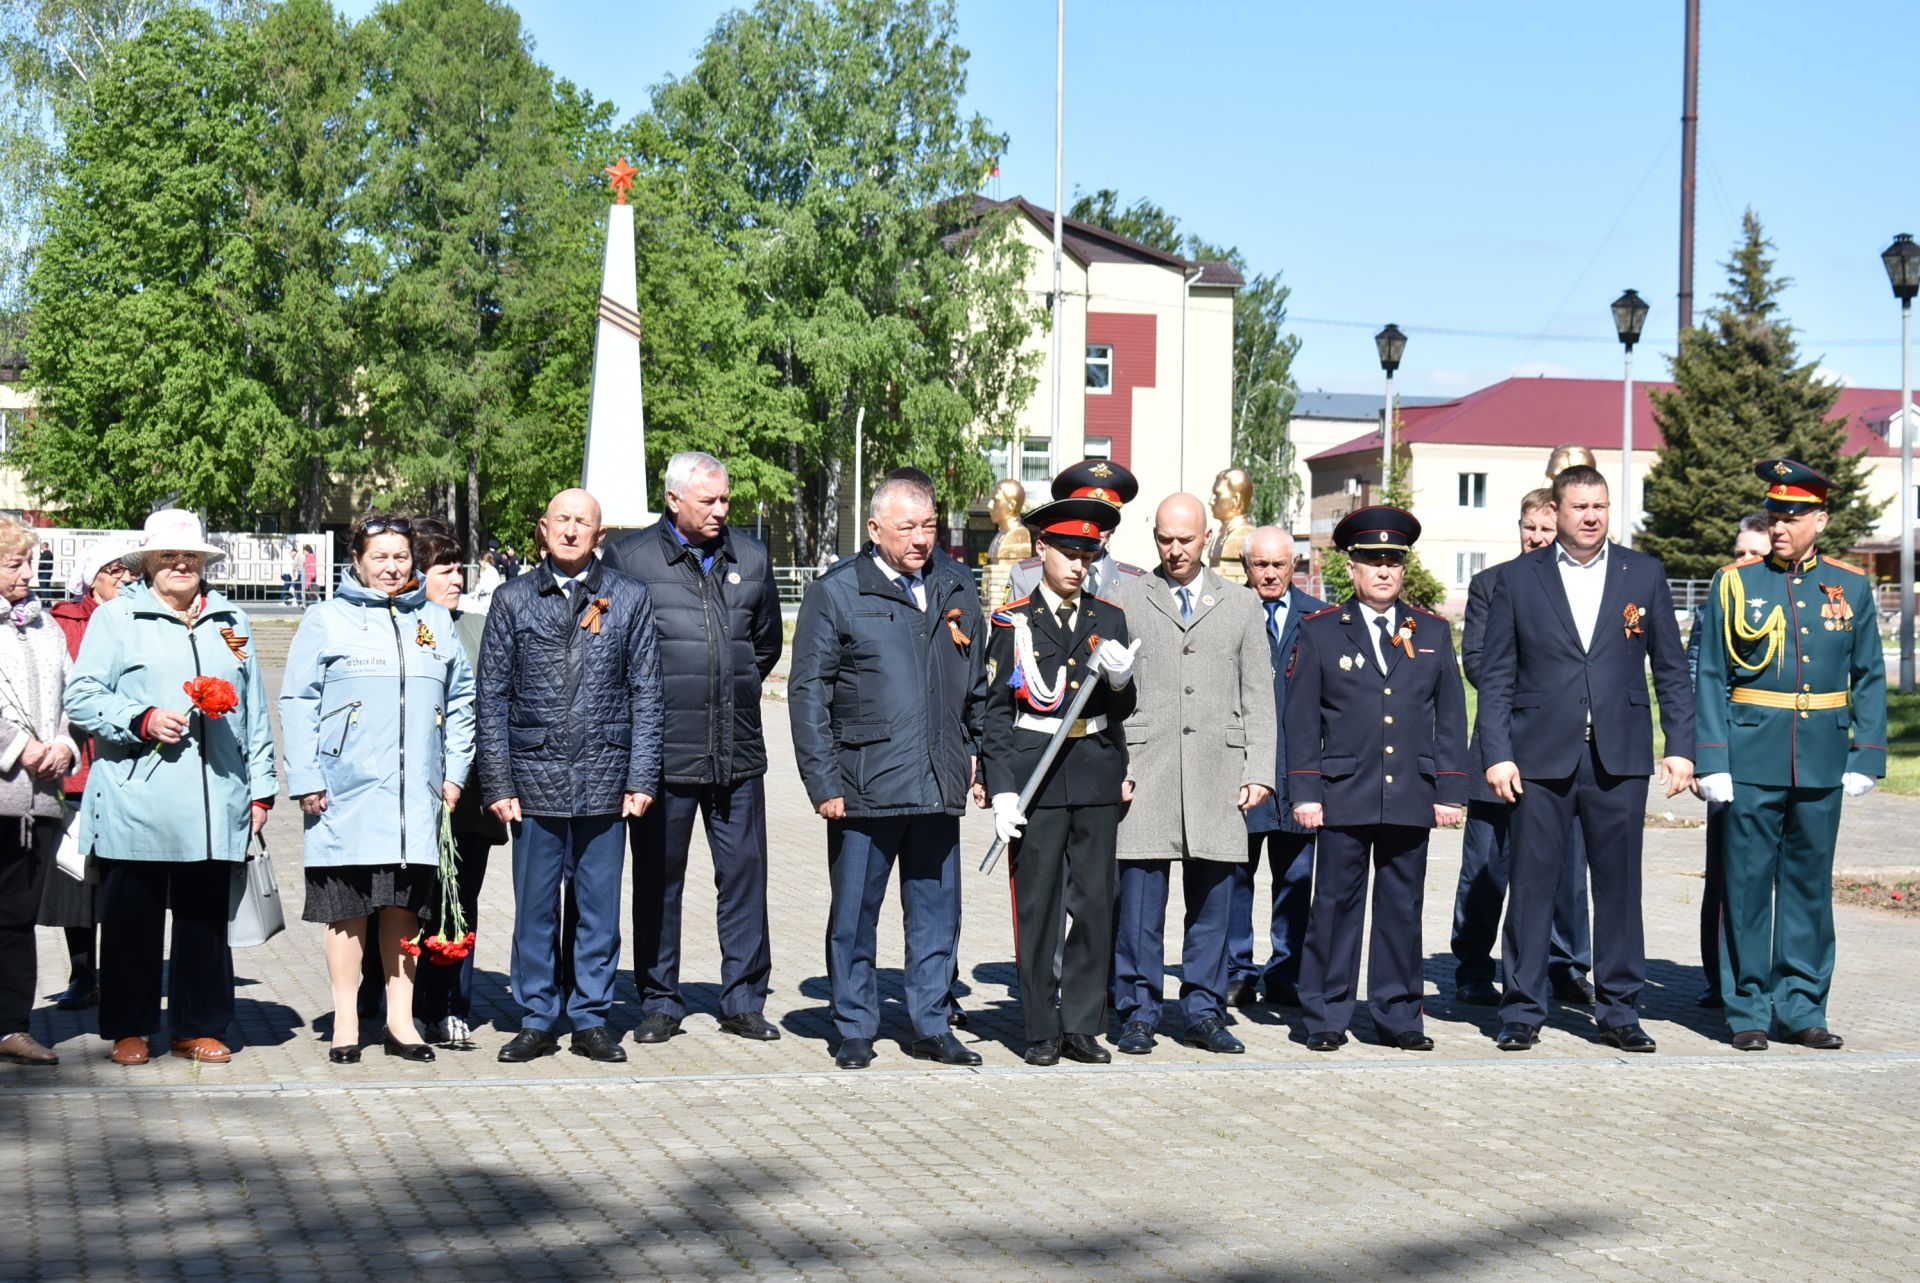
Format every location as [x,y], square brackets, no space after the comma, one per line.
[1903,743]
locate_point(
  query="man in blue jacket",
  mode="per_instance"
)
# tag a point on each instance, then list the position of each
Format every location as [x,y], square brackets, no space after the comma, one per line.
[1566,732]
[886,694]
[569,745]
[1270,825]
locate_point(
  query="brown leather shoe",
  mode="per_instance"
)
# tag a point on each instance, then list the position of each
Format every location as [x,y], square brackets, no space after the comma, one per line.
[25,1049]
[1819,1037]
[1750,1040]
[208,1051]
[130,1051]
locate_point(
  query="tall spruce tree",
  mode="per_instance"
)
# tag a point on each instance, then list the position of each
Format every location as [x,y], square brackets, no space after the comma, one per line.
[1741,393]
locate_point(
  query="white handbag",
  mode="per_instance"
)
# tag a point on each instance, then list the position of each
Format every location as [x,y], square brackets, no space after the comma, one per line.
[69,858]
[254,914]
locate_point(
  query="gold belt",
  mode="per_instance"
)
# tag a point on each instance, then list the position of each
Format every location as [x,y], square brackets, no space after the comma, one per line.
[1800,700]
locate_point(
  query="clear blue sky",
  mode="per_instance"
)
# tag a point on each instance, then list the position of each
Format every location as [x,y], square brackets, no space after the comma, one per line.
[1497,167]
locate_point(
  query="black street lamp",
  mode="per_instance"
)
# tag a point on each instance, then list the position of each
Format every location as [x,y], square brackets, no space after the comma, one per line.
[1902,261]
[1391,343]
[1629,319]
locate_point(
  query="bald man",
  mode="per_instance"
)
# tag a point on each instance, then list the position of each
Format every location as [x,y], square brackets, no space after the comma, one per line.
[1201,752]
[570,728]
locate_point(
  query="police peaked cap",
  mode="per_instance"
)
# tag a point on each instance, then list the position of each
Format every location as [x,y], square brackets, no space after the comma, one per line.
[1072,523]
[1096,479]
[1377,529]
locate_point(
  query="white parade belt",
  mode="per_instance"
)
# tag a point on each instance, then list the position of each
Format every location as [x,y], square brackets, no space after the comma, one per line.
[1082,727]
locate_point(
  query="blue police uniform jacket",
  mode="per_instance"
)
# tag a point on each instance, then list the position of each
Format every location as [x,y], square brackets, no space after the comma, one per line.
[1275,812]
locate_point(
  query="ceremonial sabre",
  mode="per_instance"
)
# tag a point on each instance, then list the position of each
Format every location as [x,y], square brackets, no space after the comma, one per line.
[1051,751]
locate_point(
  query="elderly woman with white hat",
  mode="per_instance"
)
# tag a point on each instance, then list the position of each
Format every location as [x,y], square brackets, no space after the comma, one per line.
[168,685]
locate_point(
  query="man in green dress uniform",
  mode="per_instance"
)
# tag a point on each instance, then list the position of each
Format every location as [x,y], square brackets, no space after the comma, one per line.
[1792,699]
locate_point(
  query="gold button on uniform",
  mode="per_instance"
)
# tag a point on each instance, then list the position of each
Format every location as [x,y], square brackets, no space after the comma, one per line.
[1072,662]
[1389,719]
[1389,750]
[1803,630]
[1074,685]
[1386,690]
[1389,779]
[1801,604]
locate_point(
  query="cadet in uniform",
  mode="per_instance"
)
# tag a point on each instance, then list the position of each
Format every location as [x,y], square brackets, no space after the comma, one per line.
[1376,756]
[1792,697]
[1041,650]
[1088,479]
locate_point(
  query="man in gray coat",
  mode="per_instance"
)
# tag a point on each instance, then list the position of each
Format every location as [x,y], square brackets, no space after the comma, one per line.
[1201,751]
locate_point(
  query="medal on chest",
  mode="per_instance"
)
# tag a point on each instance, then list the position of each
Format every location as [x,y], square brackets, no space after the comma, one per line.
[1836,614]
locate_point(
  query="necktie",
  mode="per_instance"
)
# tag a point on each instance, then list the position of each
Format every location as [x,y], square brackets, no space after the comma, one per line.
[906,586]
[1065,615]
[1092,585]
[1382,643]
[1186,605]
[1273,618]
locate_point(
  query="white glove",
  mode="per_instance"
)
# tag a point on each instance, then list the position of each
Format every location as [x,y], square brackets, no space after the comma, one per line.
[1116,661]
[1856,784]
[1007,820]
[1717,788]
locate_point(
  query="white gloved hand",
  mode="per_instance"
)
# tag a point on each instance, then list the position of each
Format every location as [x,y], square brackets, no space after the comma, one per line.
[1856,784]
[1717,788]
[1116,661]
[1007,820]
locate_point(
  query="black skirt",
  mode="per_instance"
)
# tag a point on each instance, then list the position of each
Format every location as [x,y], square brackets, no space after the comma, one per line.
[355,890]
[66,903]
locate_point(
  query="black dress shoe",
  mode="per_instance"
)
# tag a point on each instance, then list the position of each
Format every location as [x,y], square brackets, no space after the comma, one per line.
[79,995]
[1282,995]
[956,1017]
[944,1048]
[1818,1037]
[1211,1035]
[418,1052]
[1086,1049]
[1628,1038]
[596,1043]
[1410,1040]
[1518,1036]
[1750,1040]
[343,1055]
[657,1027]
[750,1024]
[1711,999]
[529,1044]
[1136,1038]
[1572,988]
[1326,1041]
[1243,993]
[1478,993]
[854,1053]
[1043,1053]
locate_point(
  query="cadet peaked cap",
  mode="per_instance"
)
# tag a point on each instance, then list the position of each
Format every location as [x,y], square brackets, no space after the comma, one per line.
[1377,529]
[1791,485]
[1096,479]
[1072,523]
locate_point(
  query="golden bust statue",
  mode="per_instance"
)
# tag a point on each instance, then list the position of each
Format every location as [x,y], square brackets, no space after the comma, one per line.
[1568,456]
[1014,542]
[1232,496]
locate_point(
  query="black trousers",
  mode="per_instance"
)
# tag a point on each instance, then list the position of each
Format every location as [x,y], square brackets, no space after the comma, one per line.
[735,816]
[1064,864]
[1330,971]
[134,898]
[23,879]
[1612,810]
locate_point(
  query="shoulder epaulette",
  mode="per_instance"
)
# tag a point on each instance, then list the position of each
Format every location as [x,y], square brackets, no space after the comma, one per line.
[1316,614]
[1125,569]
[1844,565]
[1001,618]
[1029,563]
[1017,602]
[1430,614]
[1744,561]
[1107,601]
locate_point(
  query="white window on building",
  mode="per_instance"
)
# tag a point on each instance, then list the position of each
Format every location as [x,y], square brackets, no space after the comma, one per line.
[6,430]
[1034,463]
[1100,367]
[1466,565]
[1099,447]
[1473,490]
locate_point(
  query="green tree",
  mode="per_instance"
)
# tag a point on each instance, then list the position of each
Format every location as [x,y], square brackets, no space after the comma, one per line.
[1421,586]
[1742,393]
[828,159]
[1263,388]
[1141,221]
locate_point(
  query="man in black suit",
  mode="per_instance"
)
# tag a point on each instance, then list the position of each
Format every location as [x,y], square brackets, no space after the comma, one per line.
[1041,650]
[1487,848]
[1270,825]
[1569,638]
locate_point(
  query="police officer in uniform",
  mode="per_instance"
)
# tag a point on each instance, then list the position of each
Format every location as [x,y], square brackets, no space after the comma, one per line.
[1088,479]
[1041,649]
[1792,698]
[1376,756]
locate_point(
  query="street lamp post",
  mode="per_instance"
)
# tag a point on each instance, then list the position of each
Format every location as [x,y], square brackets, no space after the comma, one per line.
[1902,260]
[1391,343]
[1629,318]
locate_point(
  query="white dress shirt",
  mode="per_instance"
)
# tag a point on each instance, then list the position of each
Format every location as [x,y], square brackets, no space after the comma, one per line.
[1367,615]
[1584,585]
[895,574]
[1051,603]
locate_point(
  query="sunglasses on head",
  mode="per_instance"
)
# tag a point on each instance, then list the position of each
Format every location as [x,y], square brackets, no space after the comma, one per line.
[388,525]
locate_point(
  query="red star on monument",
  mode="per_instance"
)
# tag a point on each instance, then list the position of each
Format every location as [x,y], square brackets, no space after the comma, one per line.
[620,178]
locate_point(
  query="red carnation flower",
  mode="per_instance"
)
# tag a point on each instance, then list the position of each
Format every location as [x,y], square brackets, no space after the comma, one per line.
[213,696]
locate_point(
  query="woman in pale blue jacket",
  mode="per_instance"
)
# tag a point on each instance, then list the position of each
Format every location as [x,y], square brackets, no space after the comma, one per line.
[377,711]
[174,795]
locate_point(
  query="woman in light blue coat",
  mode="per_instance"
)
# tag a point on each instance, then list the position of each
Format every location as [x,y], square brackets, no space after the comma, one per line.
[174,795]
[377,711]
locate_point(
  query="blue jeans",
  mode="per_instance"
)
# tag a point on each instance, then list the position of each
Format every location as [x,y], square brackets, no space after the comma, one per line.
[589,851]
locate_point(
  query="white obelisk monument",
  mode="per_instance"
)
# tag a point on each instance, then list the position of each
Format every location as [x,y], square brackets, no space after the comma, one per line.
[616,463]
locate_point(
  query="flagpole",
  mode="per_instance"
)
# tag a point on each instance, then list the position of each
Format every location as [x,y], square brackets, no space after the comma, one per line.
[1059,202]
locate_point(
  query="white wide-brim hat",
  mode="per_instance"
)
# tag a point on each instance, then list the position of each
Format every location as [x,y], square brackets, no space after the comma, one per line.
[98,555]
[172,530]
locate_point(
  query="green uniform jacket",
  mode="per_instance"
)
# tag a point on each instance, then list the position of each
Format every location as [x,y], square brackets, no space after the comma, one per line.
[1806,630]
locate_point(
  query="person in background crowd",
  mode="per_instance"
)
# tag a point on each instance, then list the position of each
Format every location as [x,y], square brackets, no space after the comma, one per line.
[570,745]
[377,710]
[69,905]
[886,694]
[1088,479]
[717,612]
[1749,544]
[175,795]
[488,579]
[35,751]
[309,573]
